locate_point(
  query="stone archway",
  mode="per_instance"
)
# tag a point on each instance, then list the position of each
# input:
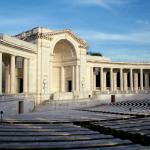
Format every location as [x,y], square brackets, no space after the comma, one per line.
[64,58]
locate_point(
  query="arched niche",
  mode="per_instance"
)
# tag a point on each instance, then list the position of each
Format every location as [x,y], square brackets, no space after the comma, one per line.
[64,51]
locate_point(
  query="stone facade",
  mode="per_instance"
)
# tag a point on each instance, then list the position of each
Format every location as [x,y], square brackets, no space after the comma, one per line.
[55,65]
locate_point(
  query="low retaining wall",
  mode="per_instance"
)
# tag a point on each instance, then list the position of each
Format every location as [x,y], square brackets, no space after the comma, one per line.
[106,98]
[11,107]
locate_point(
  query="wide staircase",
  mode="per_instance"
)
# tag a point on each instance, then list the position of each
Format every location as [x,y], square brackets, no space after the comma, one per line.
[45,135]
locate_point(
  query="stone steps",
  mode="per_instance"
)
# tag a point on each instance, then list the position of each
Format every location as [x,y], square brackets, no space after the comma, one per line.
[133,129]
[66,104]
[138,108]
[56,136]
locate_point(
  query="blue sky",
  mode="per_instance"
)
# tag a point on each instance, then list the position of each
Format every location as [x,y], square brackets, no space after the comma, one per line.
[119,29]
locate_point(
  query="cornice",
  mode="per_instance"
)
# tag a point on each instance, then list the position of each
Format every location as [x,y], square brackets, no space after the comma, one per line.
[16,46]
[49,36]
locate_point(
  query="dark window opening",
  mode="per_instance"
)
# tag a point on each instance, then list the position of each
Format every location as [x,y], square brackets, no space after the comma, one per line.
[21,85]
[69,85]
[118,79]
[108,79]
[128,79]
[139,80]
[98,80]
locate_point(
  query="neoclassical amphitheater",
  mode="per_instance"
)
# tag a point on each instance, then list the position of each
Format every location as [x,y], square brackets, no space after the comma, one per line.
[56,65]
[56,95]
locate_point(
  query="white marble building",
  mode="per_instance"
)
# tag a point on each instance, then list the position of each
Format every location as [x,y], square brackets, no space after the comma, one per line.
[55,65]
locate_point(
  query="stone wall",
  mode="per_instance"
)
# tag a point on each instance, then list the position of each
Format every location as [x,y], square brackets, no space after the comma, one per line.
[11,107]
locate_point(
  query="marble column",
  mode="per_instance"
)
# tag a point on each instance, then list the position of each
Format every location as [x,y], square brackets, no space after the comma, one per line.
[104,81]
[25,76]
[12,75]
[131,79]
[115,81]
[135,81]
[94,81]
[125,81]
[146,74]
[121,79]
[1,64]
[62,79]
[73,78]
[91,71]
[111,79]
[7,80]
[77,78]
[141,79]
[101,79]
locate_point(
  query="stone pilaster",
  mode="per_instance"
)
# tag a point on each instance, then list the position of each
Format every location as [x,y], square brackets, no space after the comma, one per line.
[73,78]
[77,78]
[50,73]
[62,79]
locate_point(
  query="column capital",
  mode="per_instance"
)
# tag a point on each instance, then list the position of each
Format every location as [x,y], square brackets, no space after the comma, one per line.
[12,55]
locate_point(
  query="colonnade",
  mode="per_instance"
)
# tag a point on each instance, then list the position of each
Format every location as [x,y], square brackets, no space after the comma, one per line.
[74,78]
[120,79]
[12,71]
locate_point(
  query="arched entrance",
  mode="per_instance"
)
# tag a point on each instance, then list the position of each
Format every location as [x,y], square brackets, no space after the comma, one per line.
[64,61]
